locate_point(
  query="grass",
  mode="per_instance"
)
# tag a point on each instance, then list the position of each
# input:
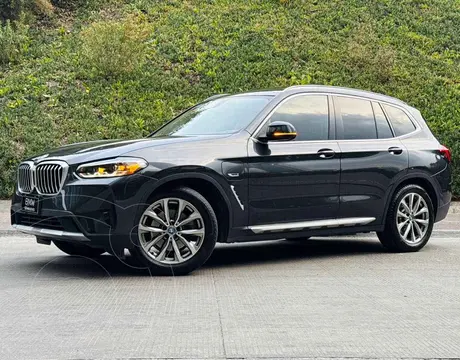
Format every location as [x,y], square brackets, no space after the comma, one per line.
[173,53]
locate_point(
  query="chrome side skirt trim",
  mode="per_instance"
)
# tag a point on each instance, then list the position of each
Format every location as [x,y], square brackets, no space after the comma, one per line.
[50,233]
[314,224]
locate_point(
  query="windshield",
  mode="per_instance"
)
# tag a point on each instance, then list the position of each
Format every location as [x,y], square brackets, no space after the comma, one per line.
[224,115]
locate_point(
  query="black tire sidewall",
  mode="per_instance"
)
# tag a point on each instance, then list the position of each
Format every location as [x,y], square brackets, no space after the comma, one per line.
[206,249]
[398,242]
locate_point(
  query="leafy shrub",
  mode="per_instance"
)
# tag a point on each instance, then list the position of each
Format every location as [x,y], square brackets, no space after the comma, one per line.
[14,41]
[42,7]
[58,94]
[70,4]
[15,9]
[112,48]
[367,55]
[10,9]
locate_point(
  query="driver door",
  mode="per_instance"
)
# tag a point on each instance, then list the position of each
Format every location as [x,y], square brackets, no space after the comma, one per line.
[296,180]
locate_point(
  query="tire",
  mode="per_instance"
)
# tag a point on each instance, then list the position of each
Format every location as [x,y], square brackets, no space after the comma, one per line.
[417,227]
[172,248]
[78,249]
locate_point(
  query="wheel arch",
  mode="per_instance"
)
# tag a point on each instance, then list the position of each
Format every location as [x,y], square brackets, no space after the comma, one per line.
[421,179]
[207,186]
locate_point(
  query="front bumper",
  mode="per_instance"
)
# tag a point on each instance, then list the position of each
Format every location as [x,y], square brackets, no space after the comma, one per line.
[100,212]
[51,234]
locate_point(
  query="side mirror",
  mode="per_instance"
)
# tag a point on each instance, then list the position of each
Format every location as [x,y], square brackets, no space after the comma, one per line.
[280,131]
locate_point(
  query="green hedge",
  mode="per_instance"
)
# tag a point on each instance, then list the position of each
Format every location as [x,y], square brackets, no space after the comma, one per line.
[57,93]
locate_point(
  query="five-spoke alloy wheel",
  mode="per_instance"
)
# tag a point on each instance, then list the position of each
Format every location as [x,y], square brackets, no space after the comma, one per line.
[409,221]
[177,232]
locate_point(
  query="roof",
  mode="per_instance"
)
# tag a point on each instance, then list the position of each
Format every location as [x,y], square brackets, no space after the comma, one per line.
[261,92]
[320,88]
[344,91]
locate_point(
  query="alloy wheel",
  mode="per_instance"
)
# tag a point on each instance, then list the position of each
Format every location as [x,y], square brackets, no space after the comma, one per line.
[171,231]
[413,218]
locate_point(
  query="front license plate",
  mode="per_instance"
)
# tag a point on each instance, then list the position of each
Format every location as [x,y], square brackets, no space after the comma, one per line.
[30,204]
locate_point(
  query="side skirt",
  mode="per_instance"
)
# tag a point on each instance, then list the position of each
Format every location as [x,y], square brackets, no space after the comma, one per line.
[310,225]
[245,235]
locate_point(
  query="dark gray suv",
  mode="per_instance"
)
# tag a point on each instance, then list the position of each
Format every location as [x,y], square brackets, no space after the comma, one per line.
[306,161]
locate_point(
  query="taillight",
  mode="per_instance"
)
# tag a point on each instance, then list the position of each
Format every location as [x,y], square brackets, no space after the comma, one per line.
[445,152]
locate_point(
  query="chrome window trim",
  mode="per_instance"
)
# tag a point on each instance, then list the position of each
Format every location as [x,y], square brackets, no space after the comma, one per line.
[418,128]
[374,104]
[297,142]
[33,166]
[269,115]
[415,123]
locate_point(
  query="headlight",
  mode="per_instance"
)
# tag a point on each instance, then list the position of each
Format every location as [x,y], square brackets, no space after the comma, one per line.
[111,168]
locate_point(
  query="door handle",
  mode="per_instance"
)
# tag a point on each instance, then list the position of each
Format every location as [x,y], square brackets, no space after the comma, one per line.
[326,153]
[395,150]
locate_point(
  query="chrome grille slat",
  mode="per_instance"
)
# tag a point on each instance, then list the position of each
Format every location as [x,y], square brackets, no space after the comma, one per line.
[50,182]
[25,183]
[39,178]
[41,184]
[47,177]
[57,178]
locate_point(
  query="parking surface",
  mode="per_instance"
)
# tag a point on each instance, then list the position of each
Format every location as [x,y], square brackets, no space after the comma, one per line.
[327,298]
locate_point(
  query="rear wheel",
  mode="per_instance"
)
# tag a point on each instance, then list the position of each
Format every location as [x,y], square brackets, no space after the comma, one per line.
[409,221]
[78,249]
[177,233]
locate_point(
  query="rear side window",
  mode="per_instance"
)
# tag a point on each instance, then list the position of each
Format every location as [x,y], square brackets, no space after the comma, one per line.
[357,117]
[383,127]
[309,114]
[401,123]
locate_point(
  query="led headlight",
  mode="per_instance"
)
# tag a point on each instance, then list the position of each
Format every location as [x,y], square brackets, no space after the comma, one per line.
[122,166]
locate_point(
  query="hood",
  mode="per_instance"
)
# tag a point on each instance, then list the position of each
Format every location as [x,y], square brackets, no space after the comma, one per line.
[105,149]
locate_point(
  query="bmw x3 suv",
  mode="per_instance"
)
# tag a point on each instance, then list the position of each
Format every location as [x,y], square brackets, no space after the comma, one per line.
[305,161]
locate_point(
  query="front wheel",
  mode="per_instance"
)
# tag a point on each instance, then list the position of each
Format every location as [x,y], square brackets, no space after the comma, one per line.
[177,233]
[409,221]
[78,249]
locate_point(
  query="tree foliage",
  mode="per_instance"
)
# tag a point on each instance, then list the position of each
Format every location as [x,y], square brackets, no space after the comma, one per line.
[164,56]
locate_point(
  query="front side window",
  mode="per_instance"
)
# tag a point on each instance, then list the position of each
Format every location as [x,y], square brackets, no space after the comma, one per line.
[309,114]
[401,123]
[357,118]
[224,115]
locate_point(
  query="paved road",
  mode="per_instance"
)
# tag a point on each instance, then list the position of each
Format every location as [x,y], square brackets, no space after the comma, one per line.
[328,298]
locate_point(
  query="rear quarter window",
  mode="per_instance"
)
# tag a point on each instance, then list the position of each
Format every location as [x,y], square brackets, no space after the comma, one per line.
[401,123]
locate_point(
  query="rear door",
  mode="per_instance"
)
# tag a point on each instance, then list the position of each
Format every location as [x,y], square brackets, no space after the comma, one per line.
[296,180]
[372,157]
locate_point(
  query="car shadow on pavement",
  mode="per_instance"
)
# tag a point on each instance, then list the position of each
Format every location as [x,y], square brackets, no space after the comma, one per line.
[286,250]
[228,255]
